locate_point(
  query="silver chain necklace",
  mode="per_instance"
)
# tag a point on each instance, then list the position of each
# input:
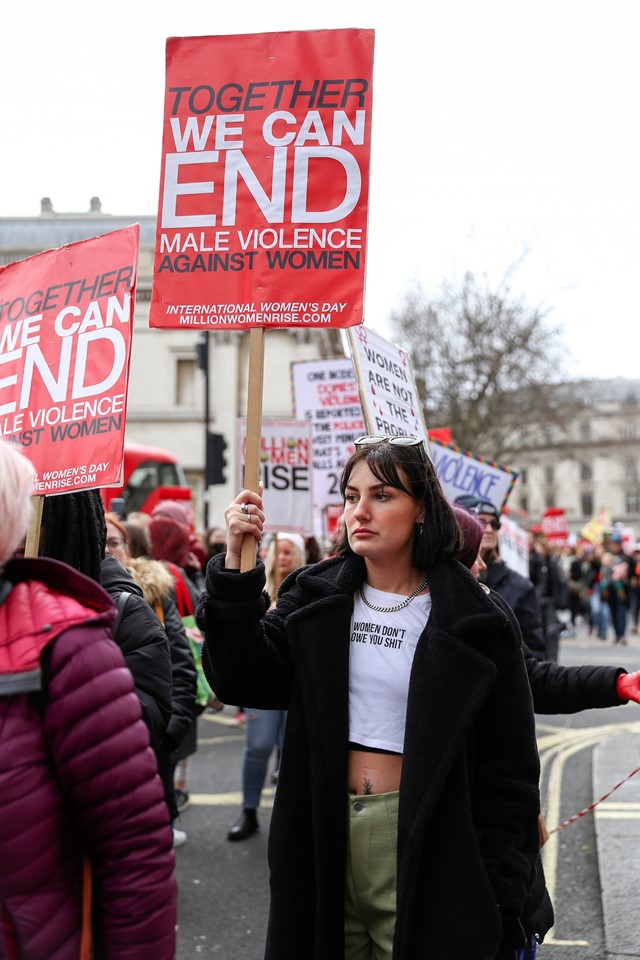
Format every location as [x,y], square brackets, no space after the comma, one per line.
[398,606]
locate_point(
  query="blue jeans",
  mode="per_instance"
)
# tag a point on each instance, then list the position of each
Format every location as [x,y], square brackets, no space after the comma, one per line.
[600,613]
[264,731]
[528,953]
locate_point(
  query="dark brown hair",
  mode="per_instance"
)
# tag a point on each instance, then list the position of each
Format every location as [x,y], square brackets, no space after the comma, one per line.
[402,467]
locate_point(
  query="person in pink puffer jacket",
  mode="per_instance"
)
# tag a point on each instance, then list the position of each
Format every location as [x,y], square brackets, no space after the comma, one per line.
[78,779]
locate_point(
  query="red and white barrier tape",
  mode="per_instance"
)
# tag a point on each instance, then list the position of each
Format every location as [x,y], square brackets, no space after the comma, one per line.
[591,806]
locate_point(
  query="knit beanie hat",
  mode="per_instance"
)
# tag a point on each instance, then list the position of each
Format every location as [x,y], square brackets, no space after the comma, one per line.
[472,531]
[169,540]
[180,510]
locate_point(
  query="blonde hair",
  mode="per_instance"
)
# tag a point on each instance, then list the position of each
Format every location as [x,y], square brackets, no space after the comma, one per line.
[270,565]
[16,484]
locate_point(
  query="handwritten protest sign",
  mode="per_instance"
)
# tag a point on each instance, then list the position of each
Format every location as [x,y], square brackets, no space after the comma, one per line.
[514,546]
[325,392]
[387,387]
[462,472]
[264,180]
[286,473]
[66,321]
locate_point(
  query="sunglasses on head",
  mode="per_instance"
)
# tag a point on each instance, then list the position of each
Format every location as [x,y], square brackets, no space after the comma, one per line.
[400,441]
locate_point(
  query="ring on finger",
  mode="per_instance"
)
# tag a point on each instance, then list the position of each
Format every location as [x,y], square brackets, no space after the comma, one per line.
[245,508]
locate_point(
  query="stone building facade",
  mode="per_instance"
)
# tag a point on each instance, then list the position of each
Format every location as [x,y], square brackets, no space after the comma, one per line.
[590,464]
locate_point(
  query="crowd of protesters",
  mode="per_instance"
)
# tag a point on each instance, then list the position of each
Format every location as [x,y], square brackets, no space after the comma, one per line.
[150,594]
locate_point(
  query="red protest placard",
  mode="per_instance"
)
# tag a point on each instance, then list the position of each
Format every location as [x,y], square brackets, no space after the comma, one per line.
[555,526]
[264,181]
[66,320]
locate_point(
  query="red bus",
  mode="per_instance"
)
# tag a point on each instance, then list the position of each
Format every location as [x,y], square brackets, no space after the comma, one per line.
[149,474]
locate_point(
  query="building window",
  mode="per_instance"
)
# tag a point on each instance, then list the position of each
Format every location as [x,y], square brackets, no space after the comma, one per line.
[550,499]
[632,502]
[524,504]
[631,469]
[548,474]
[586,472]
[585,431]
[586,504]
[549,436]
[523,476]
[185,382]
[630,428]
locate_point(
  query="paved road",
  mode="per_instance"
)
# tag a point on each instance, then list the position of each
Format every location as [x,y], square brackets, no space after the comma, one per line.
[592,864]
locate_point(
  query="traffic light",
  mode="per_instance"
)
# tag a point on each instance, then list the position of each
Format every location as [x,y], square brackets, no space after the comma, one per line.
[216,460]
[202,353]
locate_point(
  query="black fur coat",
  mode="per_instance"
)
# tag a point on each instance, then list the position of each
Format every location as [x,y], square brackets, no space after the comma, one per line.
[469,799]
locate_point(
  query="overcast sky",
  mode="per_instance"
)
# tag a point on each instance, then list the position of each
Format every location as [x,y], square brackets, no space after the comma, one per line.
[498,127]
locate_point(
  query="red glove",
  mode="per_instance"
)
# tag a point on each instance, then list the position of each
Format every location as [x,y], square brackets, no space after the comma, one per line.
[628,686]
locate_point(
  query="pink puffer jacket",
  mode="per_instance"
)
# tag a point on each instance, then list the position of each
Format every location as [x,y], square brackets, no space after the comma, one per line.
[77,776]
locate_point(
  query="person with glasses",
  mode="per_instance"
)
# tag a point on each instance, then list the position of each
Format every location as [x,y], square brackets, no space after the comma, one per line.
[405,821]
[517,590]
[555,689]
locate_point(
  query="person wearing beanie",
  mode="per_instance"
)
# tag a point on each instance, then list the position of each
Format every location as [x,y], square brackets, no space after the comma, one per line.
[265,728]
[518,591]
[196,558]
[555,689]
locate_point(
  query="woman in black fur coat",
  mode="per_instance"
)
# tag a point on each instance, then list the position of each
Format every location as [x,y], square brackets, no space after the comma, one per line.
[405,823]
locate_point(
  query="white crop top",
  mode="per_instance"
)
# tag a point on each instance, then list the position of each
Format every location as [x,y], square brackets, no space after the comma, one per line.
[380,659]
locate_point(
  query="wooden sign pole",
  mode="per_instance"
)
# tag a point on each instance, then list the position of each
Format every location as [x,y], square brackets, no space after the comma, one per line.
[32,543]
[254,431]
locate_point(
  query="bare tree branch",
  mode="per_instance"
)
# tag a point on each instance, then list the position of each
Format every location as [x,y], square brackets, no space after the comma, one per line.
[481,357]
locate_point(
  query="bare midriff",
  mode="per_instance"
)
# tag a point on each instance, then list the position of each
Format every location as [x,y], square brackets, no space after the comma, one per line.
[373,772]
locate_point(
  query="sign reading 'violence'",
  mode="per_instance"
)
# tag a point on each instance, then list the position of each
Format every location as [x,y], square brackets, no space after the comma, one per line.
[264,181]
[66,319]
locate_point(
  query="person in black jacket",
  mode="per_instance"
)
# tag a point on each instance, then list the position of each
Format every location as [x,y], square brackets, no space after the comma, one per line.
[518,591]
[555,689]
[74,530]
[159,592]
[549,579]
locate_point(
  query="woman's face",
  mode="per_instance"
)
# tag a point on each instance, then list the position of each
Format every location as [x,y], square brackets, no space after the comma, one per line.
[380,519]
[116,544]
[287,558]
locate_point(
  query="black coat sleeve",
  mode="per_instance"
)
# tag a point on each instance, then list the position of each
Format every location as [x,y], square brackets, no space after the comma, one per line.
[183,673]
[145,647]
[558,689]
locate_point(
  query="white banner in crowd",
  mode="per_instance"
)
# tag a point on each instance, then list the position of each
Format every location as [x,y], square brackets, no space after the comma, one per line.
[325,392]
[286,473]
[388,393]
[513,543]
